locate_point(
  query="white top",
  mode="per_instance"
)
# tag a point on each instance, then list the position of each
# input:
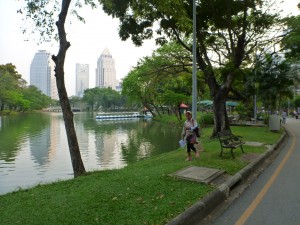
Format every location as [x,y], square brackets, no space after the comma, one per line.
[191,124]
[283,114]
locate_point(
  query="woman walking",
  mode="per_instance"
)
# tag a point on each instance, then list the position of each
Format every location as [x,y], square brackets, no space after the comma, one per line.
[189,134]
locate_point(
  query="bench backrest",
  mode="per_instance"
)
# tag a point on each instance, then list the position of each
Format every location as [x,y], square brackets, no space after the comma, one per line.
[226,137]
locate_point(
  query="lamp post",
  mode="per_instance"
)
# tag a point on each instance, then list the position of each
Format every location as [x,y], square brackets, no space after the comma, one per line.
[255,89]
[194,89]
[255,108]
[288,111]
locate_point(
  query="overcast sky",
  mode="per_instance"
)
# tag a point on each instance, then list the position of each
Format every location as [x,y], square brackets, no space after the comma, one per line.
[87,42]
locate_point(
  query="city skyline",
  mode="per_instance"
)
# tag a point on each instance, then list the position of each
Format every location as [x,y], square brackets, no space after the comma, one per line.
[87,41]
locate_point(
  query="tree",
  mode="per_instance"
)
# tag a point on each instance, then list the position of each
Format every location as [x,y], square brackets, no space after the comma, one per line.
[297,102]
[140,89]
[42,14]
[162,79]
[10,87]
[291,42]
[276,80]
[75,101]
[227,34]
[109,99]
[174,99]
[37,100]
[104,98]
[90,97]
[12,70]
[15,95]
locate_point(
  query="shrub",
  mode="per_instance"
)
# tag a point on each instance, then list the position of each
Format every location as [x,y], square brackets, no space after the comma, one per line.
[206,119]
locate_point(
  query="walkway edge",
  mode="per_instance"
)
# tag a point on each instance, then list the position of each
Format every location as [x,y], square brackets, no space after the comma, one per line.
[205,206]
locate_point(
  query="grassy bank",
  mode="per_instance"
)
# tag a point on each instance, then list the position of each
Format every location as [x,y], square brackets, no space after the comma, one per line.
[16,113]
[141,193]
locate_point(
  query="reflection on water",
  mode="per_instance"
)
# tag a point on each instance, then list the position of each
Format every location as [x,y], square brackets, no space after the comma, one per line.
[34,149]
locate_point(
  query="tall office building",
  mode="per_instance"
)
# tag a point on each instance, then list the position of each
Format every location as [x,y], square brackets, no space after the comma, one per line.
[42,73]
[106,72]
[82,78]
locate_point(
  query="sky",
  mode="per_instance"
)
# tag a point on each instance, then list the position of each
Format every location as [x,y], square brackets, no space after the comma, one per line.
[87,42]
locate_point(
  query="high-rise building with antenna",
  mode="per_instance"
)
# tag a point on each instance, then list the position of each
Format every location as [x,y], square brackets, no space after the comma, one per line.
[105,71]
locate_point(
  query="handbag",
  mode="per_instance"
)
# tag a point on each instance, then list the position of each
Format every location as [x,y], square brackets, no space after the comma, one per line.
[196,130]
[192,139]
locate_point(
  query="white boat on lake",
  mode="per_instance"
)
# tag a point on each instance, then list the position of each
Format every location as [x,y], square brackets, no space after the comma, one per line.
[116,116]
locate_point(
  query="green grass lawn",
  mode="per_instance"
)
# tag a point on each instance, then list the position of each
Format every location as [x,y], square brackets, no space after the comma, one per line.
[141,193]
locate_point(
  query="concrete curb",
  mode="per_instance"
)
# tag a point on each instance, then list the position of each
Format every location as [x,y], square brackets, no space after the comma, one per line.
[205,206]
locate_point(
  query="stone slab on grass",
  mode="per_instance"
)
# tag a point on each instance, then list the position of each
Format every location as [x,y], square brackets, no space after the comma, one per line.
[257,144]
[198,174]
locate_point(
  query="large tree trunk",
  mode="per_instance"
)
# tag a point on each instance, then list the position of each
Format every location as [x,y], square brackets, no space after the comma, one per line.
[221,122]
[219,94]
[59,60]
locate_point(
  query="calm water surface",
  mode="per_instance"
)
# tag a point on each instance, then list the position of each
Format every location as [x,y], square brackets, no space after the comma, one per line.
[34,148]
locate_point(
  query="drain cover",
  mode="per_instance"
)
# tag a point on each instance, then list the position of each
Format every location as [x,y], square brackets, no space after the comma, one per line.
[199,174]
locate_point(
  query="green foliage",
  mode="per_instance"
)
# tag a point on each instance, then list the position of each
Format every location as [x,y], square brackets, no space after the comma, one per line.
[241,110]
[297,102]
[75,101]
[230,31]
[36,99]
[291,42]
[206,119]
[11,69]
[104,99]
[15,95]
[43,15]
[165,78]
[173,99]
[158,80]
[275,78]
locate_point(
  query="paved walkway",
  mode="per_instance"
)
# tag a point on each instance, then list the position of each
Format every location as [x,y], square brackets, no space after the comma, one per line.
[274,198]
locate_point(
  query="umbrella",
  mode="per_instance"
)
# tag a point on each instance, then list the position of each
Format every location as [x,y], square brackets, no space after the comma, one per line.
[183,105]
[230,103]
[209,102]
[206,102]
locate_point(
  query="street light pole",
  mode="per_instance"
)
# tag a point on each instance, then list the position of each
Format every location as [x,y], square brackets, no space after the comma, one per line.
[194,90]
[255,108]
[255,88]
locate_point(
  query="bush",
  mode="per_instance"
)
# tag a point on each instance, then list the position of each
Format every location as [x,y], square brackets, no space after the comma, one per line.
[206,119]
[260,116]
[245,111]
[297,102]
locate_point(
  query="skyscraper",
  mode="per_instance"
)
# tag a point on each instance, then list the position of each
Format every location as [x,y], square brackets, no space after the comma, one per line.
[82,78]
[42,73]
[106,72]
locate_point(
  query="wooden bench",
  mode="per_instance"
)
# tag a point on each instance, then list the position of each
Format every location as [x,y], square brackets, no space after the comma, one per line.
[229,140]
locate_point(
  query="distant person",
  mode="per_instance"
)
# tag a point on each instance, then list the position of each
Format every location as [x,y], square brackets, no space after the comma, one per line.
[283,115]
[189,133]
[296,115]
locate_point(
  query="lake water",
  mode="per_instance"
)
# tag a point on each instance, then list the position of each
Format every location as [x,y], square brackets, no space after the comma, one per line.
[34,149]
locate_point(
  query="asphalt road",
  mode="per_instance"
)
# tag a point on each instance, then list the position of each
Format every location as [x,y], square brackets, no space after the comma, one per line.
[274,197]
